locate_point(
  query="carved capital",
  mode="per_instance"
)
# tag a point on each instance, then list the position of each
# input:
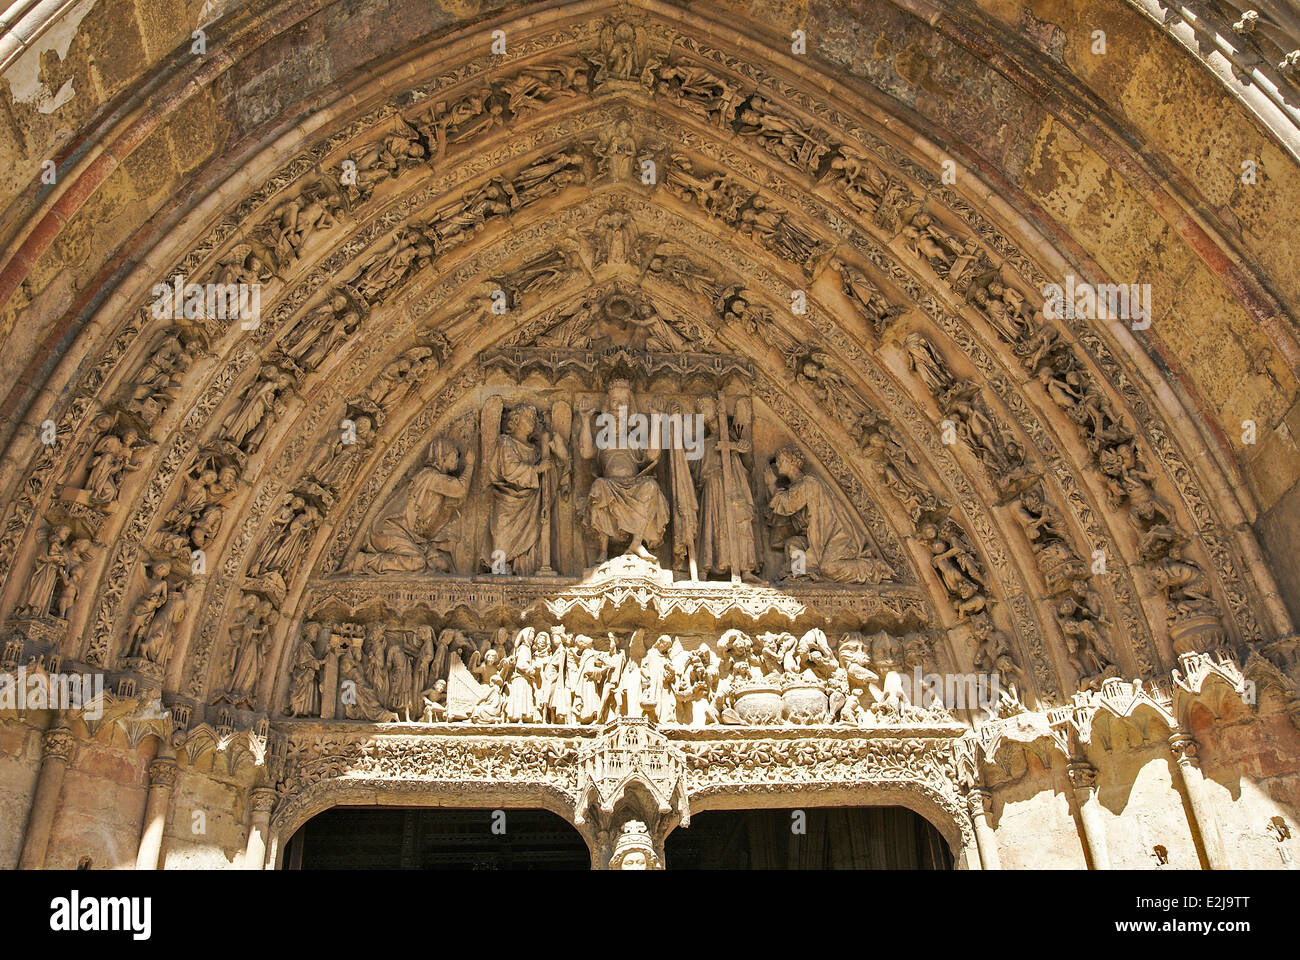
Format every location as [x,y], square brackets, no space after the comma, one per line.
[978,799]
[1185,748]
[262,799]
[57,743]
[162,772]
[1083,775]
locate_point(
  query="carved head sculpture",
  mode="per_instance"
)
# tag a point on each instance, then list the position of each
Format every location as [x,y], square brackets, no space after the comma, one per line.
[634,849]
[521,421]
[619,394]
[524,639]
[706,407]
[542,644]
[789,462]
[443,455]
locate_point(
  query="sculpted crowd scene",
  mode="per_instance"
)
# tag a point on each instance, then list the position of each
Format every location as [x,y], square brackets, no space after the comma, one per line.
[554,676]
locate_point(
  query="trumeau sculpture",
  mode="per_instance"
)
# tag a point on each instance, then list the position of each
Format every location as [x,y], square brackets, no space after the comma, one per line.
[634,849]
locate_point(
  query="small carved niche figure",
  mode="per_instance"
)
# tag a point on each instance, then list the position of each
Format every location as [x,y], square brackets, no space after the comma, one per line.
[418,527]
[45,575]
[156,381]
[874,307]
[993,653]
[358,697]
[830,544]
[854,657]
[322,331]
[114,457]
[257,637]
[304,678]
[153,639]
[957,567]
[70,577]
[296,523]
[634,849]
[261,402]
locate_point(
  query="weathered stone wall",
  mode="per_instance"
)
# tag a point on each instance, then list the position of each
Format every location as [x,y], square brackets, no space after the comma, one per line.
[100,807]
[20,761]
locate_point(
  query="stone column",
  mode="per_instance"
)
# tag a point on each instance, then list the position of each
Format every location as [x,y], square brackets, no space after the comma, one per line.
[1185,750]
[985,840]
[1083,776]
[56,748]
[162,775]
[261,801]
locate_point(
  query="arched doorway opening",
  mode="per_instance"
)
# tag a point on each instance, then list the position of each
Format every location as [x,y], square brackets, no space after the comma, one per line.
[437,838]
[815,838]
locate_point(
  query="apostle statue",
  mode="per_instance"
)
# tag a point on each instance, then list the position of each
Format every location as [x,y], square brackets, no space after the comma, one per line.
[50,564]
[625,499]
[726,513]
[304,678]
[524,477]
[417,528]
[828,545]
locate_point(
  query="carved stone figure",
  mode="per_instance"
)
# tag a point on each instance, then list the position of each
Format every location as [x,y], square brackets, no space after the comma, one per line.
[255,639]
[618,153]
[1081,621]
[829,544]
[625,499]
[261,402]
[956,566]
[927,364]
[875,308]
[897,470]
[387,158]
[405,252]
[297,219]
[699,91]
[70,577]
[155,617]
[418,527]
[295,526]
[50,563]
[774,230]
[357,696]
[781,135]
[1185,584]
[869,188]
[727,537]
[158,378]
[304,680]
[515,469]
[114,456]
[321,332]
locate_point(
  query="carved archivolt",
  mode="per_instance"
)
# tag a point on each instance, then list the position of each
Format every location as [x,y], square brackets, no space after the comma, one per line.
[616,215]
